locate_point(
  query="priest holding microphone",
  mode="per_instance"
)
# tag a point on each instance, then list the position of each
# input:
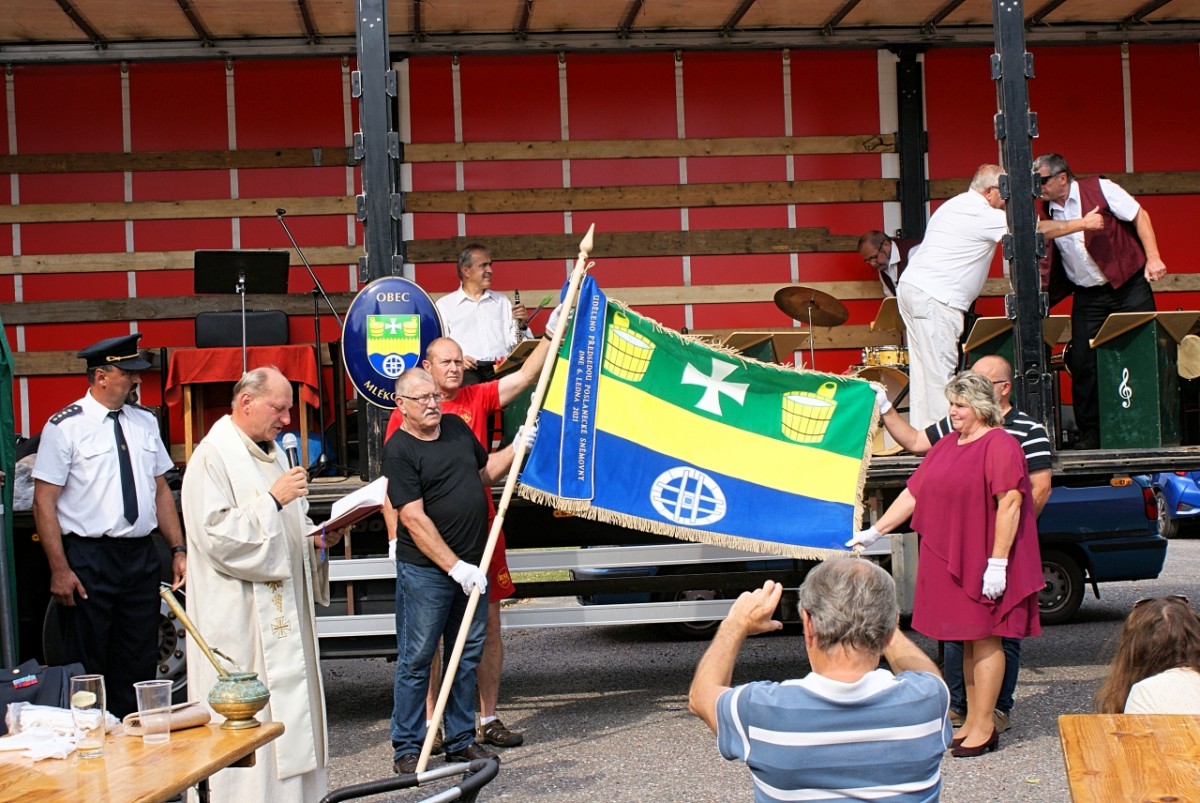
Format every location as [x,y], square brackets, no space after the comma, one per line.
[254,576]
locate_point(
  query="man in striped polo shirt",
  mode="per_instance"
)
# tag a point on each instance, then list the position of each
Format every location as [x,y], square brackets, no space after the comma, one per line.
[1040,457]
[848,728]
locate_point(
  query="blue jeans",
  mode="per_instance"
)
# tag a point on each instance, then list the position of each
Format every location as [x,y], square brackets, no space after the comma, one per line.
[429,606]
[952,671]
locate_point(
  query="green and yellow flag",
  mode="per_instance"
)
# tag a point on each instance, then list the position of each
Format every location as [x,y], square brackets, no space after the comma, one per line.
[645,428]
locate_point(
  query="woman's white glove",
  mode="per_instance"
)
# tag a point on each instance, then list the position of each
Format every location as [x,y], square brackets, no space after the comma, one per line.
[864,538]
[392,550]
[467,575]
[881,397]
[995,579]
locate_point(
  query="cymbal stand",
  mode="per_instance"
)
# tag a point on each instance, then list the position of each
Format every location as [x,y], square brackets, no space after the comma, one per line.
[812,354]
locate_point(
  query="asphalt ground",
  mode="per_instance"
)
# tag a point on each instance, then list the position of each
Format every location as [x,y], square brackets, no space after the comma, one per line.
[604,709]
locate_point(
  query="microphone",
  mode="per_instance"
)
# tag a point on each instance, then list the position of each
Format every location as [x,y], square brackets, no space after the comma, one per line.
[281,212]
[291,447]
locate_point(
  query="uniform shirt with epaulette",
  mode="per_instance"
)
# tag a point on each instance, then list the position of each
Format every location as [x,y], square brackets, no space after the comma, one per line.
[78,452]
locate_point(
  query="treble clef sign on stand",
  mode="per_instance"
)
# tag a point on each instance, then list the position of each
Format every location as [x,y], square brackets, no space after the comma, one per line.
[1124,390]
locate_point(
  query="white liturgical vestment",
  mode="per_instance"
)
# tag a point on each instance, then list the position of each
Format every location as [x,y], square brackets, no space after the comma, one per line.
[252,580]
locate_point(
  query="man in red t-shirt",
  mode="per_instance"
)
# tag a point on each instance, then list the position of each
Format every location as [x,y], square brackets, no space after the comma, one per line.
[475,405]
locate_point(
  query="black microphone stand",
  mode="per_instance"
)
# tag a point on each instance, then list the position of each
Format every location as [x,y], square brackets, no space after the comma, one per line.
[318,291]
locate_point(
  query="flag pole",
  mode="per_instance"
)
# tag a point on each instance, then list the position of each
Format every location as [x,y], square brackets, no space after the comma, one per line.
[510,484]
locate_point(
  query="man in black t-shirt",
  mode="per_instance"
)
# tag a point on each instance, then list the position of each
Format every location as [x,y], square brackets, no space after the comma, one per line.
[436,472]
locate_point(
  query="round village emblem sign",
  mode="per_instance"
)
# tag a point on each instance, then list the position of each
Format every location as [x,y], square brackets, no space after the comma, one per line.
[388,326]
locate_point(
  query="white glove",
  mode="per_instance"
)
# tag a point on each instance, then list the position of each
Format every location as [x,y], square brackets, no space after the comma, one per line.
[995,579]
[881,397]
[528,434]
[552,323]
[392,550]
[467,575]
[864,538]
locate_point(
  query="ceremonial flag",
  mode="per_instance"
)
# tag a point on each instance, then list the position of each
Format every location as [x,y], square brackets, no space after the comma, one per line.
[650,430]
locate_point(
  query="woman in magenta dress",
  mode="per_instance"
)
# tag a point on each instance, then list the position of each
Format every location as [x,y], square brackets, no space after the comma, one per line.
[980,570]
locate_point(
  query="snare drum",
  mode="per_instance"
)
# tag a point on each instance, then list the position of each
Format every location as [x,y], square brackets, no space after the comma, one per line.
[885,355]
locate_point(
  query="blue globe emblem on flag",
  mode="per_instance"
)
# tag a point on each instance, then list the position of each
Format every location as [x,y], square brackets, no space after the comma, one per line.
[688,496]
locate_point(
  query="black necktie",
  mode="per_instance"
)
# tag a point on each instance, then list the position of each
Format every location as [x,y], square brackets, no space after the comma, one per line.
[128,491]
[883,274]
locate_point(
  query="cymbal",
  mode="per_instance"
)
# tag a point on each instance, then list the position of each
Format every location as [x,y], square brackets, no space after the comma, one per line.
[810,306]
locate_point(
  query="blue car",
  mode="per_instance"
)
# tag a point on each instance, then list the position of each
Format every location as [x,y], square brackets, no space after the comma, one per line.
[1095,532]
[1178,496]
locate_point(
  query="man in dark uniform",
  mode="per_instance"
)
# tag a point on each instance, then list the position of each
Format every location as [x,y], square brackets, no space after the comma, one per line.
[99,490]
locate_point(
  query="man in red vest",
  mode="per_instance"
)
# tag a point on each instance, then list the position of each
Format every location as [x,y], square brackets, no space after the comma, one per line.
[1107,269]
[889,257]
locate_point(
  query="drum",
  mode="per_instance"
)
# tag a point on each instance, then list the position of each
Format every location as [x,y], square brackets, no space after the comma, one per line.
[1064,359]
[885,355]
[895,382]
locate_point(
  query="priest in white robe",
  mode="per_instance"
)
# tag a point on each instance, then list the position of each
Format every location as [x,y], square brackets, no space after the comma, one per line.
[253,577]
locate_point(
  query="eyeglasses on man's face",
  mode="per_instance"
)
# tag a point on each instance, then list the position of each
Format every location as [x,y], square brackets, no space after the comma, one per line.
[426,400]
[1043,178]
[884,250]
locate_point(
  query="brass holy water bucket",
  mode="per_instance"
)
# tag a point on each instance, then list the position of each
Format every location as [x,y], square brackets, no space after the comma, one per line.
[238,696]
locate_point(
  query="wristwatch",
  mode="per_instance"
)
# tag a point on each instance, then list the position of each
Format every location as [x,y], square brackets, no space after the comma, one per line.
[179,550]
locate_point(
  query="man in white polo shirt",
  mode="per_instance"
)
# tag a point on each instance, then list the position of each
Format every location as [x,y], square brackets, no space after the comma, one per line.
[942,280]
[944,277]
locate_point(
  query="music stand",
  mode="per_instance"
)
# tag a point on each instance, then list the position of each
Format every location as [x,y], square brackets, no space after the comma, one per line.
[241,272]
[772,346]
[517,356]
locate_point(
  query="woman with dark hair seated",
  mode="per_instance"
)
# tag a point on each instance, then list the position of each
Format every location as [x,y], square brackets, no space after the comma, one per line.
[1157,666]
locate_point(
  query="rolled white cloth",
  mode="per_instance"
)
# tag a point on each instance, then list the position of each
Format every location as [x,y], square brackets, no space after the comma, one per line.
[25,716]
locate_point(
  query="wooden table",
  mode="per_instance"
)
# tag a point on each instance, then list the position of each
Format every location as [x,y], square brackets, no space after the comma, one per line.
[1131,757]
[132,771]
[196,367]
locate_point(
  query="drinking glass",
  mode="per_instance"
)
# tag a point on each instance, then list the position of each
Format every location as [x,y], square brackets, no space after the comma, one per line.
[87,710]
[154,710]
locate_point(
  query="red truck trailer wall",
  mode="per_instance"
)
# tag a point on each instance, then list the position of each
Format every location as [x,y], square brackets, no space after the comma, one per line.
[1105,109]
[163,107]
